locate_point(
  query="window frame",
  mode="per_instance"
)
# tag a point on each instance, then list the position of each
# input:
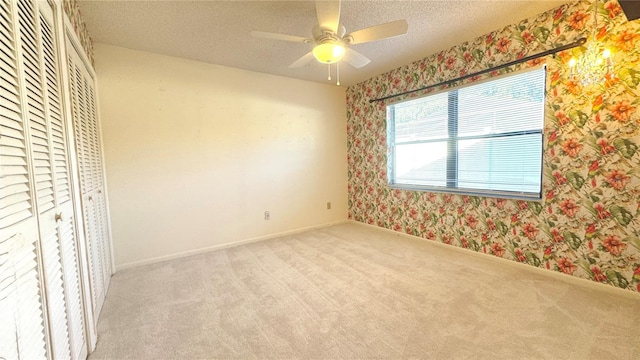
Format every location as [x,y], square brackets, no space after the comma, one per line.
[452,140]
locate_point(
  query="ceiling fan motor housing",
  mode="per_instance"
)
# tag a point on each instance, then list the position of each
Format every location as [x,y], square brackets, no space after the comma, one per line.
[322,35]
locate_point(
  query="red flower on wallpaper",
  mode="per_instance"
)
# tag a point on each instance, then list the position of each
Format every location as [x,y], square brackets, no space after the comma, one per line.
[558,14]
[447,239]
[613,8]
[522,205]
[560,179]
[503,45]
[627,39]
[530,230]
[605,147]
[573,87]
[450,63]
[431,235]
[613,244]
[601,211]
[598,275]
[617,179]
[550,195]
[497,249]
[569,207]
[572,147]
[491,225]
[578,19]
[622,110]
[597,103]
[520,256]
[566,266]
[556,235]
[562,118]
[471,221]
[527,37]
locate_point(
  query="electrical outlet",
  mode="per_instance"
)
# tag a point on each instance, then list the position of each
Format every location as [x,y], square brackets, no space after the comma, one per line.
[329,205]
[267,215]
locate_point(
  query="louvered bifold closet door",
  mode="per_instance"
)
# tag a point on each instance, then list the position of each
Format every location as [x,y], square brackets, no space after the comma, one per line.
[91,176]
[98,183]
[67,247]
[23,333]
[41,91]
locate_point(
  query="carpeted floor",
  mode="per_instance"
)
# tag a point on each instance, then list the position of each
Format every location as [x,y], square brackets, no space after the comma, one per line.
[354,292]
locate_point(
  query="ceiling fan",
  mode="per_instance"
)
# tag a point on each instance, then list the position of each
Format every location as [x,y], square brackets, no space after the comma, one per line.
[331,40]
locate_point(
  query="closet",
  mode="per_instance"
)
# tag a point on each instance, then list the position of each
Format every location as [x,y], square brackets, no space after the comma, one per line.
[55,254]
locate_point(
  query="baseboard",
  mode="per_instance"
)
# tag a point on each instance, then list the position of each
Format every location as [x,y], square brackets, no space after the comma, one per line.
[585,283]
[223,246]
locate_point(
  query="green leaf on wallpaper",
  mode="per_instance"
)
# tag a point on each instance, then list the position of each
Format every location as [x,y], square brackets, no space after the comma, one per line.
[580,118]
[630,76]
[431,70]
[626,147]
[634,241]
[575,180]
[572,239]
[477,54]
[532,258]
[476,201]
[416,78]
[617,279]
[542,34]
[504,229]
[434,218]
[622,215]
[535,207]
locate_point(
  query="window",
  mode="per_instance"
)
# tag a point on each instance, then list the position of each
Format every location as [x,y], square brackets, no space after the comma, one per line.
[480,139]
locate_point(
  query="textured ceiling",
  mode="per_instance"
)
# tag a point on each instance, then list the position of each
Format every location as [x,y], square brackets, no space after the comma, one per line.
[217,32]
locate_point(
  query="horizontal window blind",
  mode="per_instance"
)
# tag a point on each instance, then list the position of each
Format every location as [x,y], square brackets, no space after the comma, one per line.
[483,138]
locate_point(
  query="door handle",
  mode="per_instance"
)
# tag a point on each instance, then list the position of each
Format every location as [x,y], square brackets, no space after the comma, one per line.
[58,217]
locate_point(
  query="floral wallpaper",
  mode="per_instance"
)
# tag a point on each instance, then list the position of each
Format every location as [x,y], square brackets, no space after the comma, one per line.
[72,9]
[587,224]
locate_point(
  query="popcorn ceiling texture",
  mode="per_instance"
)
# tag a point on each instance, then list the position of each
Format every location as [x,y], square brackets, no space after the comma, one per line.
[72,9]
[587,224]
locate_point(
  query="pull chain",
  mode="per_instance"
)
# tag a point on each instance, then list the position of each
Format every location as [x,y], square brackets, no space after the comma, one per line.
[329,72]
[338,73]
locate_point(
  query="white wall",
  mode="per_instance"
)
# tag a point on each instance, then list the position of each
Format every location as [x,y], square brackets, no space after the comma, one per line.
[195,153]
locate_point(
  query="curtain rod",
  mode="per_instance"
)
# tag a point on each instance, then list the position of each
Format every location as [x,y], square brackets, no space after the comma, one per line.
[576,43]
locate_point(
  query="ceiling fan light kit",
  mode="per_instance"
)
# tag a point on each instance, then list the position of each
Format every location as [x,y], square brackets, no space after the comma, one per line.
[328,52]
[331,43]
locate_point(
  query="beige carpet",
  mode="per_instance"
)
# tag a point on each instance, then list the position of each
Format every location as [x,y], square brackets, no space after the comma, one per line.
[354,292]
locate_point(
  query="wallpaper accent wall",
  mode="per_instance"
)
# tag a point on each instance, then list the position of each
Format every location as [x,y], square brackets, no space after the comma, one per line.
[72,9]
[587,224]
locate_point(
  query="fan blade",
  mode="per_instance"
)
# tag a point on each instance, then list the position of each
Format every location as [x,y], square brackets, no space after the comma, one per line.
[328,13]
[378,32]
[273,36]
[354,58]
[303,60]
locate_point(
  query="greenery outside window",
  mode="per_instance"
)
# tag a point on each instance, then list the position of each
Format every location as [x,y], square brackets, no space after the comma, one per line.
[484,138]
